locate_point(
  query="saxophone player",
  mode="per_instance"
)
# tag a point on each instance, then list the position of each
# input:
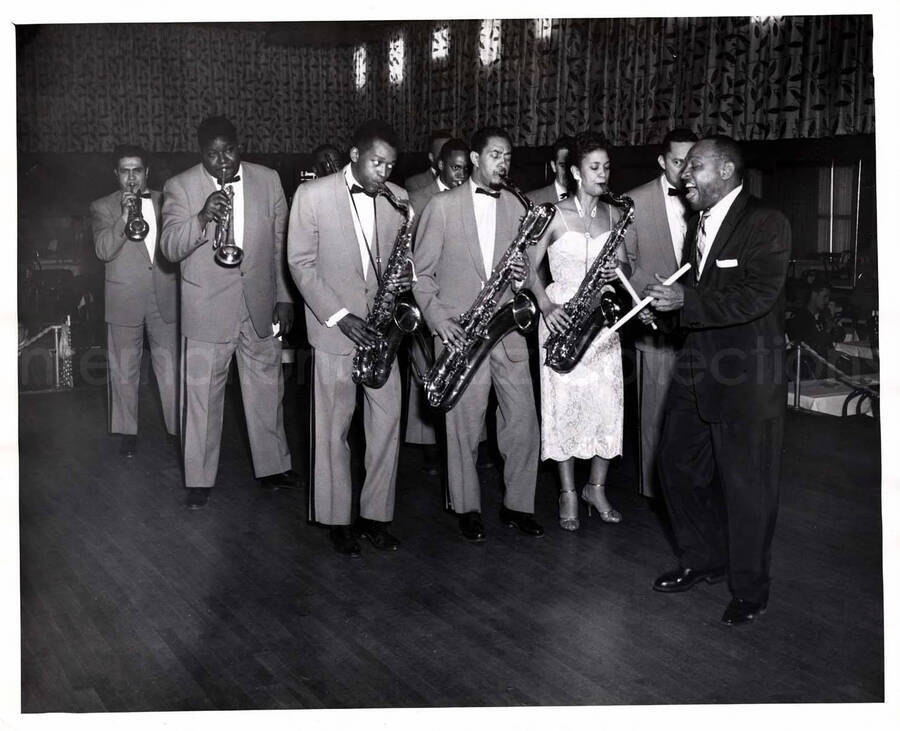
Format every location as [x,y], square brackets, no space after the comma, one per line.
[340,234]
[140,294]
[462,234]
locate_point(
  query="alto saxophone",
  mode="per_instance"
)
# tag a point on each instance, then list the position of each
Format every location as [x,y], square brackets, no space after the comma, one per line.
[483,324]
[392,315]
[596,304]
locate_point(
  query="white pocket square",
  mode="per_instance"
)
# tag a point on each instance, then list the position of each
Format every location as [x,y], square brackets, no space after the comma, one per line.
[726,263]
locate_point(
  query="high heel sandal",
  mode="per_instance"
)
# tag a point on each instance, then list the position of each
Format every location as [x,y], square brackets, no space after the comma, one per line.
[568,510]
[607,516]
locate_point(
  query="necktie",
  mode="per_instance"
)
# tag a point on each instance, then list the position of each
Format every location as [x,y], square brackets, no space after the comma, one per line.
[354,189]
[674,191]
[700,247]
[491,193]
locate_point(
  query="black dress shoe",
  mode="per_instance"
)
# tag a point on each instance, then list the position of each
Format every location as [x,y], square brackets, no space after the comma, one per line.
[683,579]
[741,611]
[280,481]
[343,541]
[471,527]
[377,534]
[128,445]
[197,497]
[525,522]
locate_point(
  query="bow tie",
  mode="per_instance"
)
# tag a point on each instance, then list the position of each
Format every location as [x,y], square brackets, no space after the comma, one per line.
[674,191]
[235,179]
[562,197]
[491,193]
[145,194]
[359,189]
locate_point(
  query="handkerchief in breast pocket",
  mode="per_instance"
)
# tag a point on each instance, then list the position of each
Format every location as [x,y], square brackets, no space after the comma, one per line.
[726,263]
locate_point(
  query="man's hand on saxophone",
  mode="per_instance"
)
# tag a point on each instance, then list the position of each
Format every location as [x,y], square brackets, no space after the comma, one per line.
[358,331]
[451,333]
[518,267]
[400,281]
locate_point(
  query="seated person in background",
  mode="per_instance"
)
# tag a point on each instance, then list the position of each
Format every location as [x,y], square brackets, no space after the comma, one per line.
[813,323]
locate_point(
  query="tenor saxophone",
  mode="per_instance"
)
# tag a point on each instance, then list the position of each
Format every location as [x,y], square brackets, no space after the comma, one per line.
[484,325]
[392,315]
[596,304]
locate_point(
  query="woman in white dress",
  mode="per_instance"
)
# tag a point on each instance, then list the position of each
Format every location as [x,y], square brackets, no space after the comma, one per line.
[581,411]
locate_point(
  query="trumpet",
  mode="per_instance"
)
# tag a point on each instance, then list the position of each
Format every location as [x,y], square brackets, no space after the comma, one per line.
[226,254]
[136,228]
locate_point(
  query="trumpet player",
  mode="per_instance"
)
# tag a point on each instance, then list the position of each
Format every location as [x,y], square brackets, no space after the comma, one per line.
[139,293]
[229,310]
[340,234]
[462,234]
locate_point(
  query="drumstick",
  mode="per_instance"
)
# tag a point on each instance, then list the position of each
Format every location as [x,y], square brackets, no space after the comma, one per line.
[647,300]
[634,295]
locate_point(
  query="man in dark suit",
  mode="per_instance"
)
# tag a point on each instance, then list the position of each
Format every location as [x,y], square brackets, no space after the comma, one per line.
[556,190]
[453,170]
[341,234]
[229,310]
[462,235]
[140,294]
[724,417]
[654,243]
[436,141]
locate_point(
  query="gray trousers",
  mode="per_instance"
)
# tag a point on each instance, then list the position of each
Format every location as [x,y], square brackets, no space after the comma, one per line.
[518,437]
[334,402]
[655,367]
[204,374]
[125,345]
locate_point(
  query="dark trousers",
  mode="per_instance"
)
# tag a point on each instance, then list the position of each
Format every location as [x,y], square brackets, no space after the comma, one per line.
[720,484]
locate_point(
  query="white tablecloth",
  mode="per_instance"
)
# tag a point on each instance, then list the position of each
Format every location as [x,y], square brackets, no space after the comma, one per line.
[827,396]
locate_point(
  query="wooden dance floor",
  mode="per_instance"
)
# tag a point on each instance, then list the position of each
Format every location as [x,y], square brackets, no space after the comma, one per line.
[130,602]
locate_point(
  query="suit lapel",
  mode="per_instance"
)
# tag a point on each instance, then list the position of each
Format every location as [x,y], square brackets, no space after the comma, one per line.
[724,232]
[345,214]
[470,229]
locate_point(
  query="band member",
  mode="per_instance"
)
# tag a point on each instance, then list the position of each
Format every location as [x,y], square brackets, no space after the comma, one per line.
[724,416]
[462,234]
[453,170]
[436,141]
[228,311]
[140,295]
[327,159]
[557,190]
[341,232]
[654,242]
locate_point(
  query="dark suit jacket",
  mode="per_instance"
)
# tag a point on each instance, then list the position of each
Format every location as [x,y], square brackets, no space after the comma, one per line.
[210,293]
[732,321]
[130,275]
[324,258]
[449,266]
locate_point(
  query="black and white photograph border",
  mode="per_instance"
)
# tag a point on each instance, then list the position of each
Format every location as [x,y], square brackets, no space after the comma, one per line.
[769,652]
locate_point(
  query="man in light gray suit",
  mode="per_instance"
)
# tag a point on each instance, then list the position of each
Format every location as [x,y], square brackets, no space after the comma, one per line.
[340,236]
[227,311]
[556,190]
[654,243]
[140,294]
[453,170]
[436,141]
[462,235]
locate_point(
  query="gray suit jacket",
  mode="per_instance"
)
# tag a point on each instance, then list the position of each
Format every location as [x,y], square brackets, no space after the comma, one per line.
[547,194]
[130,275]
[324,258]
[210,293]
[449,266]
[419,180]
[648,243]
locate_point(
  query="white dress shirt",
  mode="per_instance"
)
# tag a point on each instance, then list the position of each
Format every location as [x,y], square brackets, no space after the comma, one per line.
[150,217]
[237,206]
[561,191]
[486,223]
[714,222]
[675,214]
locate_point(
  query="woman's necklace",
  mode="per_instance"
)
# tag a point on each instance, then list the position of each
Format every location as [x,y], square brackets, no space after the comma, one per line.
[587,223]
